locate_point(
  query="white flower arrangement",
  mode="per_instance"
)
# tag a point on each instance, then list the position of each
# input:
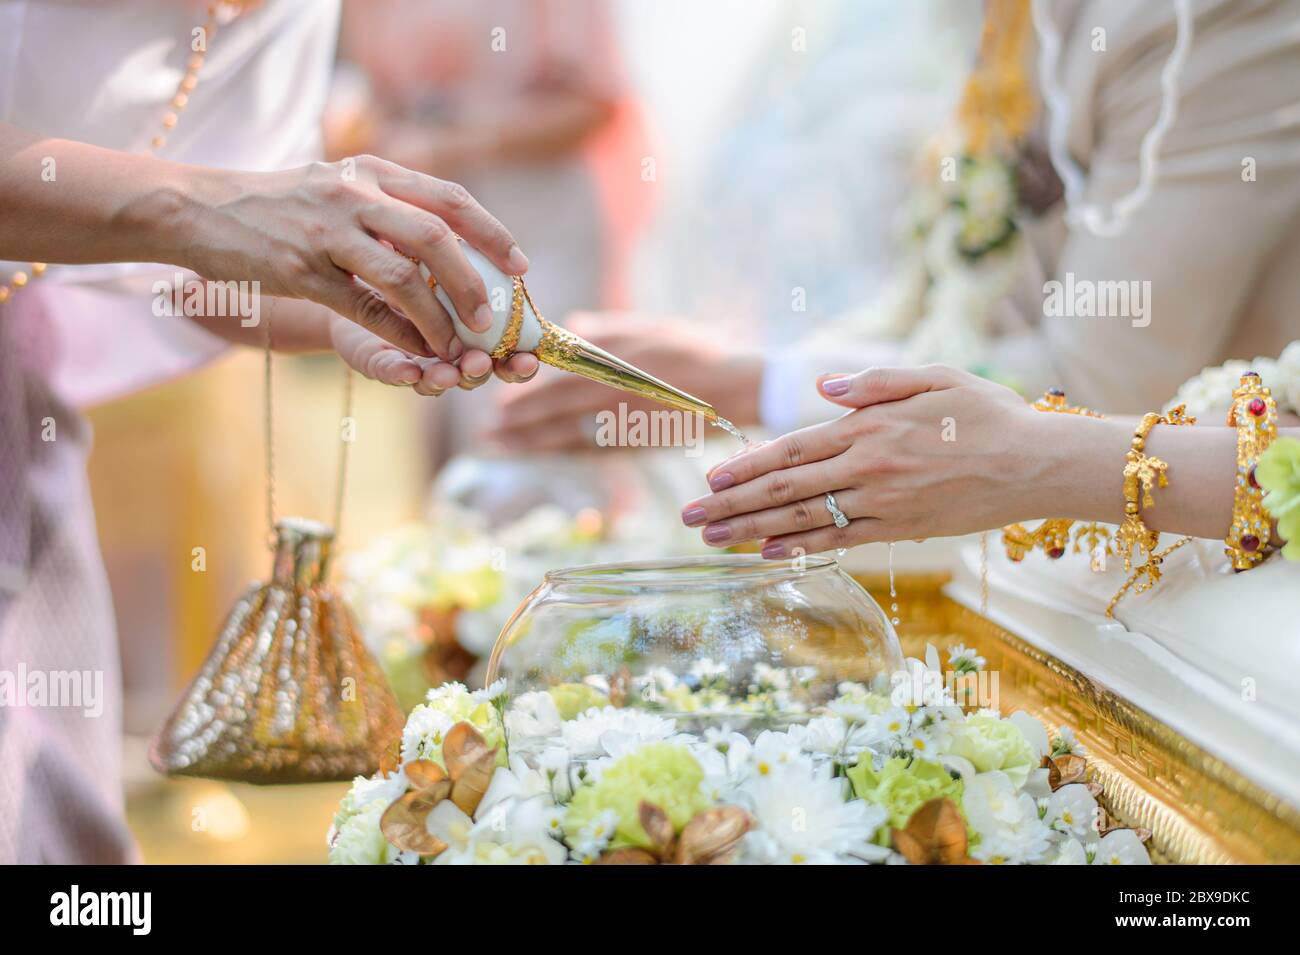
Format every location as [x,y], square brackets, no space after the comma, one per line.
[567,775]
[1208,395]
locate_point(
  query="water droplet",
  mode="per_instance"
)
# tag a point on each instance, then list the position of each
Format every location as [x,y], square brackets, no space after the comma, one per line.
[893,592]
[731,429]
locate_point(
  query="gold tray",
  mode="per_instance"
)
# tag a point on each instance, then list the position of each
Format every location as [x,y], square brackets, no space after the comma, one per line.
[1199,810]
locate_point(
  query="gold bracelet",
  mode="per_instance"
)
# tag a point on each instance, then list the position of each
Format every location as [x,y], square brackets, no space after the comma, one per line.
[1142,474]
[1053,535]
[1254,414]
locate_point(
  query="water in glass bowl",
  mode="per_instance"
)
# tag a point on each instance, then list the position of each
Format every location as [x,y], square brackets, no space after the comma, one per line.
[731,642]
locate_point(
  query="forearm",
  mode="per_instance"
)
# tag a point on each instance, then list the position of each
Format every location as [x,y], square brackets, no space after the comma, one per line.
[297,326]
[1085,481]
[69,202]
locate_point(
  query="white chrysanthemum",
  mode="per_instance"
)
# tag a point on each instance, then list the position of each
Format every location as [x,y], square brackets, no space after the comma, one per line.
[1006,821]
[532,720]
[802,817]
[490,693]
[612,731]
[424,732]
[963,659]
[1066,742]
[1070,851]
[595,836]
[1071,810]
[831,736]
[771,751]
[1121,847]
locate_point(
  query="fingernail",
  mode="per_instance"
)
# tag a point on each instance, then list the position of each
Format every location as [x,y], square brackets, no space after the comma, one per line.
[773,551]
[482,318]
[717,533]
[455,349]
[693,516]
[517,261]
[721,480]
[408,374]
[836,386]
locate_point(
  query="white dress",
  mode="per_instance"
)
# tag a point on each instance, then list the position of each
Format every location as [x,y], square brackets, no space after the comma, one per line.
[104,73]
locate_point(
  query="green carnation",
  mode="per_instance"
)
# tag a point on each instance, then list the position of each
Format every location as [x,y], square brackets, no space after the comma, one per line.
[901,787]
[574,698]
[990,743]
[663,774]
[1278,473]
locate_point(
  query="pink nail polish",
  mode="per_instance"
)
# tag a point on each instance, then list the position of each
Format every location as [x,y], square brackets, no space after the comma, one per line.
[721,480]
[717,533]
[836,386]
[773,551]
[693,516]
[455,349]
[517,261]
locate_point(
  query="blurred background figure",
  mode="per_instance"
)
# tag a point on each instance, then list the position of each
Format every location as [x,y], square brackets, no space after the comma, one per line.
[526,102]
[782,180]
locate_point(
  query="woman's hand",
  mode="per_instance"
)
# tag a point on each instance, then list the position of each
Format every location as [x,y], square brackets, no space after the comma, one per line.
[312,232]
[927,452]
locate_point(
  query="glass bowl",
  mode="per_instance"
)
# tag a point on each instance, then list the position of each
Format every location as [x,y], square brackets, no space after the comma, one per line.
[734,642]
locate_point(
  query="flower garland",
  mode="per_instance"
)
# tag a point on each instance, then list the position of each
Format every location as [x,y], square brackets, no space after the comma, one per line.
[1209,394]
[624,771]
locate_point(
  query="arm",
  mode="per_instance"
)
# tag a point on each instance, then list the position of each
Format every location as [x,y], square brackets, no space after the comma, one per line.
[323,233]
[932,451]
[300,326]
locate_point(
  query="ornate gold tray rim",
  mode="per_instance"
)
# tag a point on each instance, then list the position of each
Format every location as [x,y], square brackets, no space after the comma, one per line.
[1199,809]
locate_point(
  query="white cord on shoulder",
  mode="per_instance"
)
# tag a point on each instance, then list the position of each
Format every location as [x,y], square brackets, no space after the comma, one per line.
[1097,219]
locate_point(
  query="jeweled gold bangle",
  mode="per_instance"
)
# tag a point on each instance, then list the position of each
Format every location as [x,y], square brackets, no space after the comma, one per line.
[1254,414]
[1142,474]
[1053,535]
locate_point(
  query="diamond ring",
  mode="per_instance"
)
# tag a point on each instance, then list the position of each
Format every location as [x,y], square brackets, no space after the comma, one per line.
[837,515]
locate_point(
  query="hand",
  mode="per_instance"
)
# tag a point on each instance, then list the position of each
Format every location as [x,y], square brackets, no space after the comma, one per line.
[312,232]
[380,361]
[927,452]
[555,413]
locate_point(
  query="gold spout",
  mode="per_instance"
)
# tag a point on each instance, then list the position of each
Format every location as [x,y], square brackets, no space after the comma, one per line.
[560,348]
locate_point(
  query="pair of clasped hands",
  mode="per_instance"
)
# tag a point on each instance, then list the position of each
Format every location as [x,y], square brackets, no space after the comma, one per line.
[891,460]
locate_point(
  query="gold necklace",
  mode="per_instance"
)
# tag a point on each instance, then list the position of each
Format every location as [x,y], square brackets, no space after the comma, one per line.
[180,99]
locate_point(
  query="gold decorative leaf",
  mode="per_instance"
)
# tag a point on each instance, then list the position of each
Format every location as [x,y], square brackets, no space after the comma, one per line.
[713,836]
[461,748]
[935,835]
[404,822]
[391,758]
[628,857]
[1066,769]
[424,773]
[472,781]
[657,826]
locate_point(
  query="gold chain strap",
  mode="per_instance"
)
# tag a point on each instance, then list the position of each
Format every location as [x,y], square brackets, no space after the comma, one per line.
[268,425]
